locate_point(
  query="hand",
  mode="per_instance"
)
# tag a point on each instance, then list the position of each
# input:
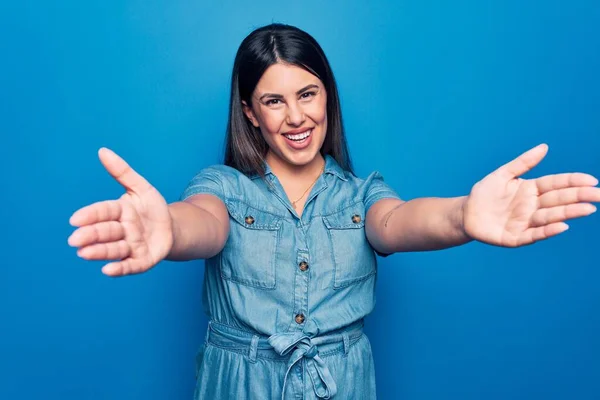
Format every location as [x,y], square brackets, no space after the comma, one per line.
[505,210]
[136,230]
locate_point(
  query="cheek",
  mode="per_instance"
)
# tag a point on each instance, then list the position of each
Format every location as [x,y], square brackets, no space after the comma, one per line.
[318,112]
[271,122]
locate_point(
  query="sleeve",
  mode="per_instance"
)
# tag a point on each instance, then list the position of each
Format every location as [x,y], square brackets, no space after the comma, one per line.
[377,189]
[207,181]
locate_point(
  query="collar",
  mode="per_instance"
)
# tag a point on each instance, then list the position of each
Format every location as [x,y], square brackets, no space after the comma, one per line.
[331,167]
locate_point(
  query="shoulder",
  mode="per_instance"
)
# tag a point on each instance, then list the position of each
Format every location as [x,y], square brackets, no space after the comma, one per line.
[223,175]
[361,183]
[369,189]
[221,171]
[365,180]
[219,180]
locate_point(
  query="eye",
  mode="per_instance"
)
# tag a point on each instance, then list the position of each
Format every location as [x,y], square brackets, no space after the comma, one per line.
[307,95]
[273,102]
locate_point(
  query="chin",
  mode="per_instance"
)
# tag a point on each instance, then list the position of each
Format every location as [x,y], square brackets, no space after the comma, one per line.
[302,158]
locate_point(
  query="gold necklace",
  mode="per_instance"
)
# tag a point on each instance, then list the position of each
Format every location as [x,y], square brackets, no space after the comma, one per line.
[311,185]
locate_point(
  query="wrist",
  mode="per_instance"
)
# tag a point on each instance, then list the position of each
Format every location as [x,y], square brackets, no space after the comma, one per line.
[174,231]
[461,210]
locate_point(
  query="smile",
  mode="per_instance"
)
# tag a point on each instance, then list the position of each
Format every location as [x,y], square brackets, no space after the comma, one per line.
[300,136]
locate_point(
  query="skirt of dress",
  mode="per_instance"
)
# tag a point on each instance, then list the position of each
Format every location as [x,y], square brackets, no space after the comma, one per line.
[229,369]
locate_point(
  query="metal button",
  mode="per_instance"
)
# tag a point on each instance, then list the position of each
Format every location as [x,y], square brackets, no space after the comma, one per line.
[356,218]
[299,318]
[303,266]
[249,219]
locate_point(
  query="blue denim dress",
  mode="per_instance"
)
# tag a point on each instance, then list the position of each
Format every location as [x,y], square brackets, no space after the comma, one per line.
[286,296]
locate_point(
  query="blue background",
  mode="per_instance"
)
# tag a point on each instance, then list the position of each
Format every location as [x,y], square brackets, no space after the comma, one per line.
[435,95]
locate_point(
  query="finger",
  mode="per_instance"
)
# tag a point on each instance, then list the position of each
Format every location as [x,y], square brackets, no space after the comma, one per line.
[109,210]
[122,172]
[124,267]
[562,181]
[102,232]
[105,251]
[567,196]
[524,163]
[551,215]
[532,235]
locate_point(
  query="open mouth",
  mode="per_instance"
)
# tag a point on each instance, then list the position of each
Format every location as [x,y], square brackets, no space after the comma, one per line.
[300,137]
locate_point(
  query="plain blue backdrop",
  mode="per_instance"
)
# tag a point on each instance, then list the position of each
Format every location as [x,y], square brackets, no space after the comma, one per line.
[435,95]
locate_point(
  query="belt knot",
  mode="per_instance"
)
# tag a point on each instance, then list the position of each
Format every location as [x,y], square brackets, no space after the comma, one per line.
[311,352]
[300,346]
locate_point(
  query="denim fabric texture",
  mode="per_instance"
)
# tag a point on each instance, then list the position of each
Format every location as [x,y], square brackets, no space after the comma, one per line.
[286,296]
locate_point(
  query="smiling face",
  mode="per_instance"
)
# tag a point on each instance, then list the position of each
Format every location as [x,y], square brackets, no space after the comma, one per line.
[289,106]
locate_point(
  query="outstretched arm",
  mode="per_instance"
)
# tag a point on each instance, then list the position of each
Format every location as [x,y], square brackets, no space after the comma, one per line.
[502,210]
[200,227]
[429,223]
[138,230]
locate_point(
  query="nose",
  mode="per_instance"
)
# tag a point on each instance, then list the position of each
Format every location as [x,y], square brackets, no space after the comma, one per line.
[295,114]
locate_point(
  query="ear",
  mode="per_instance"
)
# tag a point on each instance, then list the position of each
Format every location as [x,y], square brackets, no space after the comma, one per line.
[250,114]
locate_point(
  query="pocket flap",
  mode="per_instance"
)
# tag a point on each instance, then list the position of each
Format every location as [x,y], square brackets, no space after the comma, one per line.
[252,217]
[352,217]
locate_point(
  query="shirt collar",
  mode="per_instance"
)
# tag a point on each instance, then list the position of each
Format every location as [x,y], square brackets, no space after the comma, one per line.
[331,167]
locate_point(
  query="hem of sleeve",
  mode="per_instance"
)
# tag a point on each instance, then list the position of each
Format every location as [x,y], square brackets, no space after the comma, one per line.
[384,194]
[192,191]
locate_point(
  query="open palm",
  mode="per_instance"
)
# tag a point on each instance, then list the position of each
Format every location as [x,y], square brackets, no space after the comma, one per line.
[134,231]
[505,210]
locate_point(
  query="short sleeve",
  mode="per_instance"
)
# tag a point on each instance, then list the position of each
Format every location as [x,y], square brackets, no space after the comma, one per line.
[377,189]
[207,181]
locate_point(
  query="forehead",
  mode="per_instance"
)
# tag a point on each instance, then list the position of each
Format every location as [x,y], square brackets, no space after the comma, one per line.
[284,79]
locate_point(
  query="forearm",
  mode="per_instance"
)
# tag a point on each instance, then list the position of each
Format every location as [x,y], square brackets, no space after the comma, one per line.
[423,224]
[196,233]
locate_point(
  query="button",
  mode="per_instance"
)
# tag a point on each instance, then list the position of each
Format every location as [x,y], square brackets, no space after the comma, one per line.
[299,318]
[303,266]
[249,219]
[356,218]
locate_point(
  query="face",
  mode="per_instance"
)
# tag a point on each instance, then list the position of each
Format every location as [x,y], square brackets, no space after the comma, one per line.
[289,105]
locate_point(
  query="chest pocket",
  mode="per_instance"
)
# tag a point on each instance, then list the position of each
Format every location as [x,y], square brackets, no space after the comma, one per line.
[353,257]
[249,256]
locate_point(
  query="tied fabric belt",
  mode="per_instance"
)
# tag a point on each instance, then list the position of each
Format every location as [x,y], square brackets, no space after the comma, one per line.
[295,345]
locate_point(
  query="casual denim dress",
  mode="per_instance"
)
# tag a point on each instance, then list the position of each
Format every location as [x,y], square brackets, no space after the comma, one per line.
[286,297]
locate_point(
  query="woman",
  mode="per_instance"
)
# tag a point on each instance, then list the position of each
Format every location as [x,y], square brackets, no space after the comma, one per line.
[289,234]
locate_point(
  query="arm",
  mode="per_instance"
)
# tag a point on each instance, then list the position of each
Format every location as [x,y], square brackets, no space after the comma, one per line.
[200,227]
[421,224]
[137,231]
[502,209]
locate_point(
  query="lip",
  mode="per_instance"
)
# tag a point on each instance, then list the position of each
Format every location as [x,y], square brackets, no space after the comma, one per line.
[299,145]
[297,131]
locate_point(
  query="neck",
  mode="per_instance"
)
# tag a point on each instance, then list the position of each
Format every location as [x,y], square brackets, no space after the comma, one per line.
[284,170]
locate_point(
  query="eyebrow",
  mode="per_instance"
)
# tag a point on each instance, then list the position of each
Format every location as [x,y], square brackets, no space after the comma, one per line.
[278,96]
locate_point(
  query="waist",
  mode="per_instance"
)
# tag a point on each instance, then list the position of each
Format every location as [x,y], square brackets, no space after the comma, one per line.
[258,346]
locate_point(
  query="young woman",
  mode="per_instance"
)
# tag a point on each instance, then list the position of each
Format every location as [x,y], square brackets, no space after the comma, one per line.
[289,233]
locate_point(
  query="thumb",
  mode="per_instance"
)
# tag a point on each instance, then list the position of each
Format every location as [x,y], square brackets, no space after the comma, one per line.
[525,162]
[122,172]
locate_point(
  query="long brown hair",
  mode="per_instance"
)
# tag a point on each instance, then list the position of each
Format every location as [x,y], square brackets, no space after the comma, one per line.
[245,148]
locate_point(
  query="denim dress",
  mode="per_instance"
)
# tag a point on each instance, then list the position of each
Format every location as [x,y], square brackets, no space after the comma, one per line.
[286,297]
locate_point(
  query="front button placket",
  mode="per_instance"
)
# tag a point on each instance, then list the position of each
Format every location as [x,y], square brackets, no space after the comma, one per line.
[301,280]
[300,314]
[275,187]
[320,185]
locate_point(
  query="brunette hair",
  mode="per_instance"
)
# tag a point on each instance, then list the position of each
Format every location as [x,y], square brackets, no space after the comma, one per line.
[245,148]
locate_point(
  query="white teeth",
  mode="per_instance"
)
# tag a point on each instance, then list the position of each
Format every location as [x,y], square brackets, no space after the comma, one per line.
[300,136]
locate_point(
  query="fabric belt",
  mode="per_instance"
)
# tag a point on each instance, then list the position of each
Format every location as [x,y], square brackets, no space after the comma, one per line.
[294,345]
